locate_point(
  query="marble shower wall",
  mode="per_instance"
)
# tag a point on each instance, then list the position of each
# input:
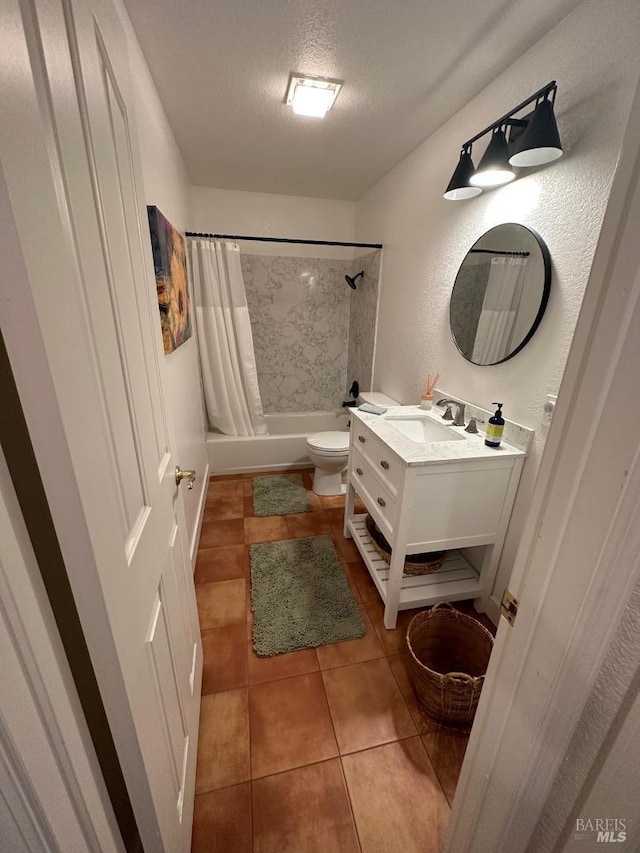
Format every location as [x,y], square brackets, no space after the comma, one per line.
[299,310]
[362,320]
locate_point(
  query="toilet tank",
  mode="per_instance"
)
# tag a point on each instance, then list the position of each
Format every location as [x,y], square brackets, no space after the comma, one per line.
[376,398]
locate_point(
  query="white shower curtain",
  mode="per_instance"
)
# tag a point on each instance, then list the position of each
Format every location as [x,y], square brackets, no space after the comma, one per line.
[499,309]
[225,340]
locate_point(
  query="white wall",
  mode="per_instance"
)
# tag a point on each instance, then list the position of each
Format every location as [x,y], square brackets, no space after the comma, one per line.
[268,215]
[593,56]
[166,187]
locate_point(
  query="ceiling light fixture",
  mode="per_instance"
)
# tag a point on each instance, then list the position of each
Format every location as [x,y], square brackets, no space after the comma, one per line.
[533,140]
[312,96]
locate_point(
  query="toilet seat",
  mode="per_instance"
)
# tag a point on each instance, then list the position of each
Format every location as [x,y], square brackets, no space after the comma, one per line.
[330,442]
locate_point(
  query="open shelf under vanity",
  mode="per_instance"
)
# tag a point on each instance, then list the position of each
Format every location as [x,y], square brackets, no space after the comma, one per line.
[455,580]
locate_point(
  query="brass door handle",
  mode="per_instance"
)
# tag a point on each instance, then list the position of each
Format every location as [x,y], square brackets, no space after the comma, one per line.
[382,501]
[384,465]
[189,476]
[362,438]
[359,472]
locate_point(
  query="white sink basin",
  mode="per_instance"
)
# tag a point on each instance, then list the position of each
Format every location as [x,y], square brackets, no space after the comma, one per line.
[424,430]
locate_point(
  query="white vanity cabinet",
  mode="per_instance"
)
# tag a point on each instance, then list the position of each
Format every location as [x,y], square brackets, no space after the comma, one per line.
[451,495]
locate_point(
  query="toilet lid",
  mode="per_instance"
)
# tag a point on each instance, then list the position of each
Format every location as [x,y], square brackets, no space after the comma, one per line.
[334,440]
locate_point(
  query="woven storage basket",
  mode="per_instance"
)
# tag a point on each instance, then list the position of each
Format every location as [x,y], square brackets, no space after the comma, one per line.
[448,658]
[414,564]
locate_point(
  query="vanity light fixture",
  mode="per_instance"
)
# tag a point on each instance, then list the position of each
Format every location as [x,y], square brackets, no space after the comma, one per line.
[312,96]
[532,140]
[459,186]
[494,169]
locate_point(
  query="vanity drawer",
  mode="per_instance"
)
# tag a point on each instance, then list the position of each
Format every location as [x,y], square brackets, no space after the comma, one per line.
[371,490]
[378,455]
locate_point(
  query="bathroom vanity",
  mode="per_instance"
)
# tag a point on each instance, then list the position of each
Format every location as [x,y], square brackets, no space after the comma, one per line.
[430,486]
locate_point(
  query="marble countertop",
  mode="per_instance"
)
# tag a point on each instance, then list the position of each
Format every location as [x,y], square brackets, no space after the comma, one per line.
[435,452]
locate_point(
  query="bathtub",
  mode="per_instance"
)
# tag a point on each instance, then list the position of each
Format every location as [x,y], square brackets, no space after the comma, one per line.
[283,447]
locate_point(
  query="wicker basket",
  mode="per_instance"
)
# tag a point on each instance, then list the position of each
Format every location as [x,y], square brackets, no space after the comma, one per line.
[448,658]
[415,564]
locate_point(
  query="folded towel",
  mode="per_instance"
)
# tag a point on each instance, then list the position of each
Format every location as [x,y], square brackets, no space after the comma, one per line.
[374,410]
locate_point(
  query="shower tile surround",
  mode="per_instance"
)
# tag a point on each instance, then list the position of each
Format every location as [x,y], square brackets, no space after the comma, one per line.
[362,319]
[312,334]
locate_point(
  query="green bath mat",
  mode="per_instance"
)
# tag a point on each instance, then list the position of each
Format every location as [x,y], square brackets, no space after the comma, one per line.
[280,494]
[300,596]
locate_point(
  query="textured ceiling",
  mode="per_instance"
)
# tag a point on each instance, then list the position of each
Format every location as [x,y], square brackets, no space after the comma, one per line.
[221,68]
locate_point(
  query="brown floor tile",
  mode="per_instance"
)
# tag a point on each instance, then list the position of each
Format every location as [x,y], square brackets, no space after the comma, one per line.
[423,722]
[313,523]
[224,489]
[352,584]
[351,651]
[249,622]
[347,548]
[247,488]
[307,479]
[222,821]
[366,587]
[220,564]
[267,529]
[221,509]
[446,749]
[280,666]
[223,746]
[397,801]
[225,658]
[247,507]
[247,561]
[336,519]
[314,500]
[303,811]
[366,705]
[332,502]
[224,478]
[221,603]
[217,534]
[393,640]
[290,725]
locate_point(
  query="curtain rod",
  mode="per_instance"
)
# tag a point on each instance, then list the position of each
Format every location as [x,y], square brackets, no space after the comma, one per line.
[498,252]
[285,240]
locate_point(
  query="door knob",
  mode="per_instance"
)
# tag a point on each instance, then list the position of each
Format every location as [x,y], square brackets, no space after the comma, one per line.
[189,476]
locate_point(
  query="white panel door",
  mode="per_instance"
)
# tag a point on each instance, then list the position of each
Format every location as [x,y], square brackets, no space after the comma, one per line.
[101,360]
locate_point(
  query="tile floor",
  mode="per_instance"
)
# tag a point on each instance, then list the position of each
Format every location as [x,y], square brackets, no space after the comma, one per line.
[318,750]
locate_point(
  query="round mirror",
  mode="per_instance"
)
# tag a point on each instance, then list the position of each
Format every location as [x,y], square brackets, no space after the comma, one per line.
[500,294]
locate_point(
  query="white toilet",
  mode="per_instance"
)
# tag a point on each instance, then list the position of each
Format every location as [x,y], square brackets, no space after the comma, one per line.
[329,451]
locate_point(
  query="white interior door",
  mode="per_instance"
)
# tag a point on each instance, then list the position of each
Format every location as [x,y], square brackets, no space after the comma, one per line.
[82,332]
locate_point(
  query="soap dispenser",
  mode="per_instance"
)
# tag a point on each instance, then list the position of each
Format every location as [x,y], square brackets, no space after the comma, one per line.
[495,428]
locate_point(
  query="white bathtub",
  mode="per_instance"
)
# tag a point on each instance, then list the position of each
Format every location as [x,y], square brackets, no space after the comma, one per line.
[283,447]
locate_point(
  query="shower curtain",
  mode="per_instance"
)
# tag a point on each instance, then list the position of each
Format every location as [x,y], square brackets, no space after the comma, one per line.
[499,310]
[225,341]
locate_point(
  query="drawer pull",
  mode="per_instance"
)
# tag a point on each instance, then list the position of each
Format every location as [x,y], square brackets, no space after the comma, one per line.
[381,501]
[362,438]
[359,472]
[384,465]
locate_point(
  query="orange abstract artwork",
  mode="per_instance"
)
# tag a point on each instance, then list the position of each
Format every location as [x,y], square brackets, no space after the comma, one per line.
[171,280]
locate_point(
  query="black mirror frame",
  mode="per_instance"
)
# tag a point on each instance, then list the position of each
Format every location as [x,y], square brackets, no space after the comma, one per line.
[546,258]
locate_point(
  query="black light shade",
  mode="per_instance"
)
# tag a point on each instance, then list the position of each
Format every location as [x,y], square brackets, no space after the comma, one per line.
[459,187]
[540,141]
[494,169]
